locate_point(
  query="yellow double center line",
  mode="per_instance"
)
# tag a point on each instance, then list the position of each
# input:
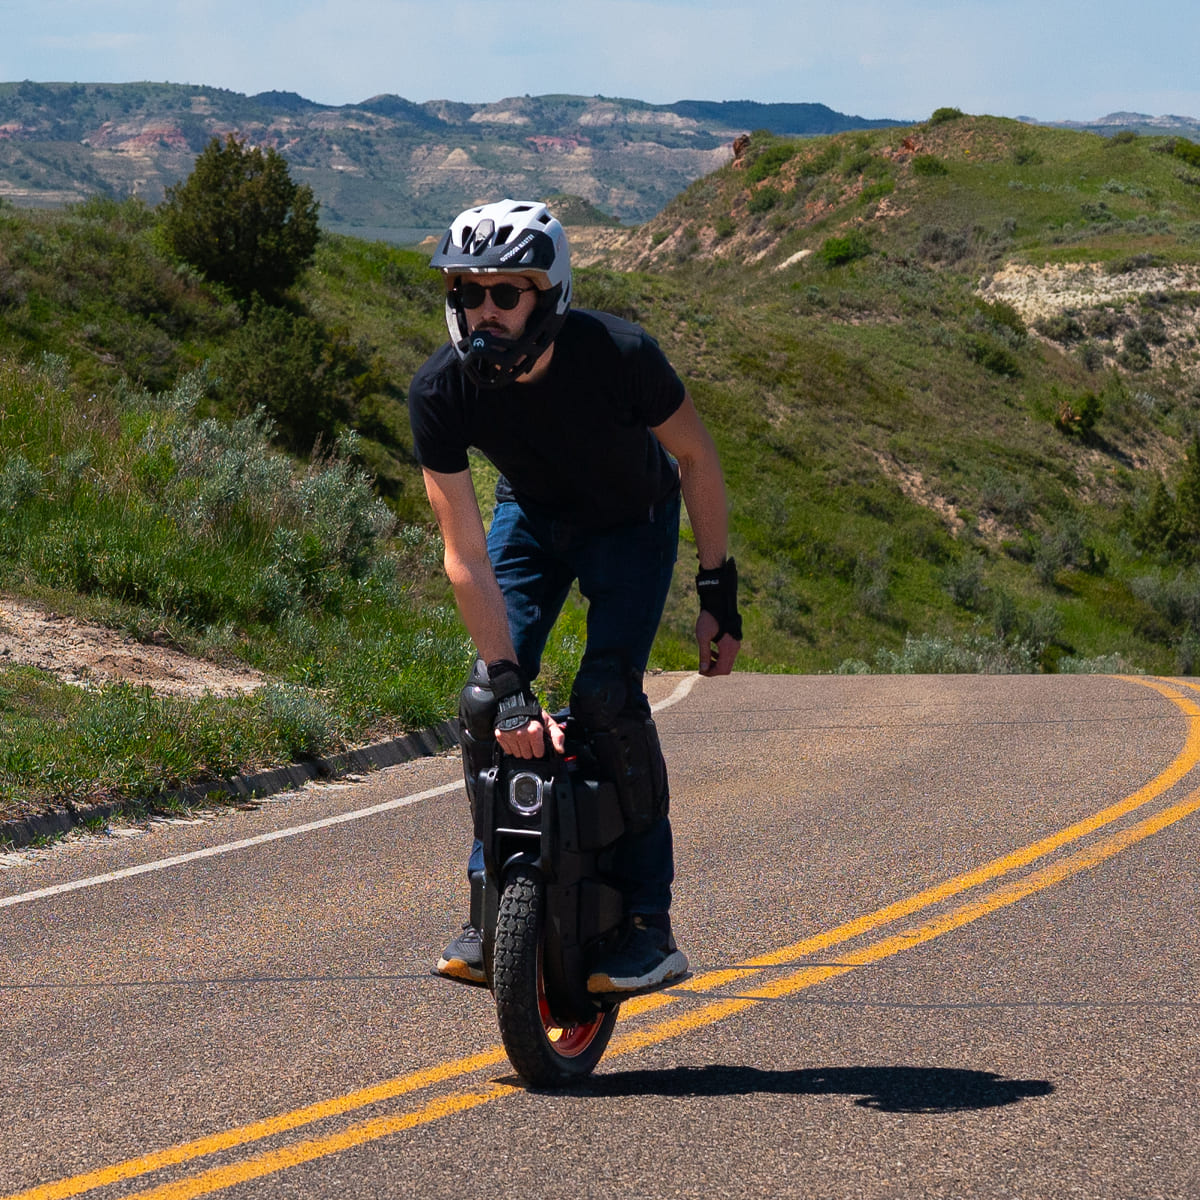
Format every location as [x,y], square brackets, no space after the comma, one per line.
[627,1041]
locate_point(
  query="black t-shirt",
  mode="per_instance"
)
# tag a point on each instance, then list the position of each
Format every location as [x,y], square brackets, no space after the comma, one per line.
[576,443]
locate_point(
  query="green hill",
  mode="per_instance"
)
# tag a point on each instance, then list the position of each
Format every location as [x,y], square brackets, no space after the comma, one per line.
[953,371]
[386,163]
[951,364]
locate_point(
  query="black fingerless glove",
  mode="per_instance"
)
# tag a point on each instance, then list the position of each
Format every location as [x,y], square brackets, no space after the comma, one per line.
[717,590]
[516,704]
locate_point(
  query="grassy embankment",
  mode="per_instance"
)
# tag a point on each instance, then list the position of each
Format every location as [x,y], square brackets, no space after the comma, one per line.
[920,479]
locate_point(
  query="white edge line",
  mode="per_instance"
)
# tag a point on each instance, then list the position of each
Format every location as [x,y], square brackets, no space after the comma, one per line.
[681,691]
[227,848]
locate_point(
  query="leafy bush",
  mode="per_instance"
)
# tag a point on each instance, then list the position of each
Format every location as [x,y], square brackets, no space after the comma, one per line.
[1154,328]
[1132,262]
[872,580]
[763,200]
[824,160]
[770,161]
[1004,317]
[936,245]
[1007,496]
[308,377]
[1122,187]
[1169,523]
[929,165]
[992,354]
[1106,323]
[857,162]
[1154,524]
[221,480]
[1135,352]
[240,219]
[1176,598]
[1061,327]
[941,115]
[964,582]
[876,191]
[1176,601]
[1188,151]
[1078,414]
[20,482]
[836,251]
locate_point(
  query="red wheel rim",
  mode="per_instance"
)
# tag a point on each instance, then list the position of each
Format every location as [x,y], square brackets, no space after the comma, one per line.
[567,1040]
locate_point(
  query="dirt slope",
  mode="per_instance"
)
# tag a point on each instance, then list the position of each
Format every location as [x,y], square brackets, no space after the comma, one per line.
[93,655]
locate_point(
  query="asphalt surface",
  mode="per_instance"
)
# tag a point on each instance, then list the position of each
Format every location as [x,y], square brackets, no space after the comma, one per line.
[943,932]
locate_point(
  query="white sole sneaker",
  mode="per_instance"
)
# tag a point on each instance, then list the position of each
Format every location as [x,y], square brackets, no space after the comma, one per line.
[671,968]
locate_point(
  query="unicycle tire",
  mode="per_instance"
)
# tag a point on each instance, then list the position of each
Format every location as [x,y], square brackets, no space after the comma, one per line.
[544,1053]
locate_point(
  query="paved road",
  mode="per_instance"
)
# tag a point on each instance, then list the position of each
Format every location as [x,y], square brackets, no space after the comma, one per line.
[943,931]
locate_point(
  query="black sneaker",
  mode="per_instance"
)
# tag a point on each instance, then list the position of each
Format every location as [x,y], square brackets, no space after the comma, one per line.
[645,958]
[463,958]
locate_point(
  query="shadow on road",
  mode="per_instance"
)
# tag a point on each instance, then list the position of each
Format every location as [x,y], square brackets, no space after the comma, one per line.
[887,1089]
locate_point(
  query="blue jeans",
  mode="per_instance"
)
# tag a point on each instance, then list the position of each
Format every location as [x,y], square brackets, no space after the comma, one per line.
[624,574]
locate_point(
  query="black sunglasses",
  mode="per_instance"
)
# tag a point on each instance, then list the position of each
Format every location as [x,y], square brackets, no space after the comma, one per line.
[504,295]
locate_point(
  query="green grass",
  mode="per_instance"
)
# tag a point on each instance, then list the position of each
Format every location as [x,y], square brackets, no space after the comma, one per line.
[836,383]
[906,493]
[204,529]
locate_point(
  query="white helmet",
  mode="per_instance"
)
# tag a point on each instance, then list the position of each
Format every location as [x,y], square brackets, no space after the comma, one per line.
[509,237]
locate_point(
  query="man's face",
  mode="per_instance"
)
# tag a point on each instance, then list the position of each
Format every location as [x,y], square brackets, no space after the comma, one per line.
[489,316]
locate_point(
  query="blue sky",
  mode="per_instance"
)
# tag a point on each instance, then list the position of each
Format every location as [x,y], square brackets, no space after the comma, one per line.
[873,58]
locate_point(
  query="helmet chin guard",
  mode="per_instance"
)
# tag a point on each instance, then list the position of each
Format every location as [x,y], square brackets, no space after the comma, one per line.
[492,361]
[510,237]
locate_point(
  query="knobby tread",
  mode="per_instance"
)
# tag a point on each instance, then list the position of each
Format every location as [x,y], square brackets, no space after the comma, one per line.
[515,983]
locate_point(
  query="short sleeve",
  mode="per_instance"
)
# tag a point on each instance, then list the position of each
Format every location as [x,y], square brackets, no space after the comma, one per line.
[660,389]
[435,414]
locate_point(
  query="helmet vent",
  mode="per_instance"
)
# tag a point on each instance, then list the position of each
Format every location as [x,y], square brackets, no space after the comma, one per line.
[477,240]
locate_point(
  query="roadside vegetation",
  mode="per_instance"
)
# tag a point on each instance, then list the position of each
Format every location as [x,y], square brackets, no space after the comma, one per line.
[927,472]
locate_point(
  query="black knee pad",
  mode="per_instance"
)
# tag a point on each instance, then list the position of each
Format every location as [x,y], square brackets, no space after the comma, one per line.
[607,702]
[602,691]
[476,725]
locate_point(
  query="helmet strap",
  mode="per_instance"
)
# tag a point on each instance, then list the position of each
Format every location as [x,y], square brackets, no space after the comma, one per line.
[492,361]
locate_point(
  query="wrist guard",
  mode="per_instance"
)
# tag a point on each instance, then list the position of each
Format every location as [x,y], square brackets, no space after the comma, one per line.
[516,705]
[717,590]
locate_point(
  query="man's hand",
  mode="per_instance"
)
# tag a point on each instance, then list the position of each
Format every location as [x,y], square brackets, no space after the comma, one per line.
[717,655]
[530,740]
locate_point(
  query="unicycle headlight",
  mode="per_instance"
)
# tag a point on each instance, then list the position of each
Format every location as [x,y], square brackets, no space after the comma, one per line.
[525,793]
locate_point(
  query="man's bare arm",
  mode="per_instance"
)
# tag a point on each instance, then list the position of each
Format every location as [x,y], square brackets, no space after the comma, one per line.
[689,442]
[476,592]
[468,567]
[703,486]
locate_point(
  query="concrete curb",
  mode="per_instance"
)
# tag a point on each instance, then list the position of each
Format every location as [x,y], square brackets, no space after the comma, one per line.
[24,830]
